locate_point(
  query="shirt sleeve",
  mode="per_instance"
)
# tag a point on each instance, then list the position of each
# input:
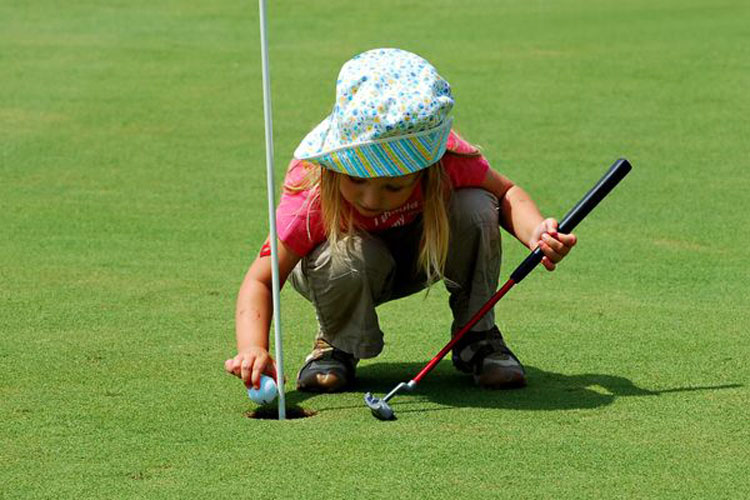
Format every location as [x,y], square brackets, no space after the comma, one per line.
[465,171]
[298,216]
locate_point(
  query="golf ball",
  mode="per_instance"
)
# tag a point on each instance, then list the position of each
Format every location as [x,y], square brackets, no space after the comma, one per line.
[266,393]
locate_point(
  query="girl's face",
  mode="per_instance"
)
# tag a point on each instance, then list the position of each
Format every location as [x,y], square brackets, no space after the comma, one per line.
[372,197]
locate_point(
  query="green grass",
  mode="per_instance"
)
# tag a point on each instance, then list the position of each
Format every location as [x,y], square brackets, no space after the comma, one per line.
[132,199]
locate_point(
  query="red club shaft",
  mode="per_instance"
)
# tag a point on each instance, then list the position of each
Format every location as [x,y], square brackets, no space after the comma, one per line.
[473,321]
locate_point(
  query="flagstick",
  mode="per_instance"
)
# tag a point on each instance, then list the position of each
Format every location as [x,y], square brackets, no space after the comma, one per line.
[272,210]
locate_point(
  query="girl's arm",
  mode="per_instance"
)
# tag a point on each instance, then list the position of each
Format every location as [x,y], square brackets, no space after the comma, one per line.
[520,216]
[253,317]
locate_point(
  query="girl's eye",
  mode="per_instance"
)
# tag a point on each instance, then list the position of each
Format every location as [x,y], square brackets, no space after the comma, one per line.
[357,180]
[393,189]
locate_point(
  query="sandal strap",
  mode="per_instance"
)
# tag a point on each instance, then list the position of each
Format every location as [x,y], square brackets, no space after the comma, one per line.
[346,359]
[332,353]
[487,342]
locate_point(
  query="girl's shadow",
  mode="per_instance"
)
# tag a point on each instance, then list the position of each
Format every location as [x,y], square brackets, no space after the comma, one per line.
[545,391]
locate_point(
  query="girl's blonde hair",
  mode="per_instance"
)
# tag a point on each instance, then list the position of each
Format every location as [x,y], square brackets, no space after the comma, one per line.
[339,221]
[433,246]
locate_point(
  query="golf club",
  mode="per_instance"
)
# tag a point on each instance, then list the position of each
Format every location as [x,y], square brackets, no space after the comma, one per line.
[380,407]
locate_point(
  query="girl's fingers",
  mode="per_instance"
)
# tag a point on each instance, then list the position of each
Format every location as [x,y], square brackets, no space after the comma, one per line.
[569,240]
[261,365]
[255,376]
[550,248]
[551,226]
[548,264]
[246,369]
[249,366]
[232,366]
[271,369]
[562,243]
[555,244]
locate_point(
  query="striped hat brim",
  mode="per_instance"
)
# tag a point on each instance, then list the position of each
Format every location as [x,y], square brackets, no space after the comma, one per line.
[391,157]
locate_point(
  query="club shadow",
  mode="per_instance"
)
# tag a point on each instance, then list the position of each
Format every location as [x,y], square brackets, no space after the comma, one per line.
[546,390]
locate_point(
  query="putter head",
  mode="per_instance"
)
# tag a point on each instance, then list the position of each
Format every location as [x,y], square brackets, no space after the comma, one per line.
[379,408]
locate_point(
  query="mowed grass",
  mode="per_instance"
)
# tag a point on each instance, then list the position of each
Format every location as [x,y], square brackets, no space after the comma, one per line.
[132,199]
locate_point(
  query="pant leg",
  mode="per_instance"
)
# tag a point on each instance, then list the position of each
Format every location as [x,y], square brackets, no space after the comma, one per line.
[473,265]
[345,291]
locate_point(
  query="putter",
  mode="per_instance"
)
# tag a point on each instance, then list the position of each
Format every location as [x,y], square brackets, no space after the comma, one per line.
[380,407]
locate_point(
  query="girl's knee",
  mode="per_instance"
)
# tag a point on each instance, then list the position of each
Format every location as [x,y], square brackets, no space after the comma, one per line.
[353,258]
[476,205]
[475,233]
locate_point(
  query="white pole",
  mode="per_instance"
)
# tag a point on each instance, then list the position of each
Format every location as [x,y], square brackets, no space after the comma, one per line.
[272,210]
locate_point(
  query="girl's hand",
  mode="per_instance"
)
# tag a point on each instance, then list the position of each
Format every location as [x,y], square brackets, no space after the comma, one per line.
[554,245]
[250,364]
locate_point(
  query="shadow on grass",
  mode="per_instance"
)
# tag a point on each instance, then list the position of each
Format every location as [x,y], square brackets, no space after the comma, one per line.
[546,391]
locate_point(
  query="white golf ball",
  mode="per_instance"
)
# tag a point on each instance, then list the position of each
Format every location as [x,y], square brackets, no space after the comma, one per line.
[266,393]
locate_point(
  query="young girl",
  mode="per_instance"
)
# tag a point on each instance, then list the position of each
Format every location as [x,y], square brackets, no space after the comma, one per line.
[382,199]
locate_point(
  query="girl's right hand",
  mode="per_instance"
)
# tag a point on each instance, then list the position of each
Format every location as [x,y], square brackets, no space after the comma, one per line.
[250,364]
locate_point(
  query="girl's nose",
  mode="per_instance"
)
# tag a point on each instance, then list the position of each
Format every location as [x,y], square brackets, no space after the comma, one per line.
[371,199]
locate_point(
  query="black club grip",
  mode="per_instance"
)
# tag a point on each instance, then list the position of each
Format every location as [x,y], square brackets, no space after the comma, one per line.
[614,175]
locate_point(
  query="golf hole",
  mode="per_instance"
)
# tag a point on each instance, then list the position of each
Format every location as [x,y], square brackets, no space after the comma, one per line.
[272,413]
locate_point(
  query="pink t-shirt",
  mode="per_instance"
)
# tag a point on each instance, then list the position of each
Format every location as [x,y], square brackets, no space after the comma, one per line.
[298,216]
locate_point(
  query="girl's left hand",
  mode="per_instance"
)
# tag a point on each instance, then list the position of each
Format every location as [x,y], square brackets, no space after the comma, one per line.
[555,246]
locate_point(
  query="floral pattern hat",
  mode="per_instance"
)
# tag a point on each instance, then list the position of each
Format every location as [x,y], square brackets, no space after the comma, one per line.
[390,118]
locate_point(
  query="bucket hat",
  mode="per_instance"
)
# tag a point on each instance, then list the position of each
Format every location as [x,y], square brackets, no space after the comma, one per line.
[390,117]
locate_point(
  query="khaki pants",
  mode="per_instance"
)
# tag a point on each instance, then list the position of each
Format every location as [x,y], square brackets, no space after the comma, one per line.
[379,267]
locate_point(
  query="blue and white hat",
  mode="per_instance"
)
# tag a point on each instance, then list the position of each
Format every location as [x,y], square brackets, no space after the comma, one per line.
[390,118]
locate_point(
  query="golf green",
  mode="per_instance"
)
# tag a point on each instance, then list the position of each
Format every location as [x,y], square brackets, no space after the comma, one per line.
[133,198]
